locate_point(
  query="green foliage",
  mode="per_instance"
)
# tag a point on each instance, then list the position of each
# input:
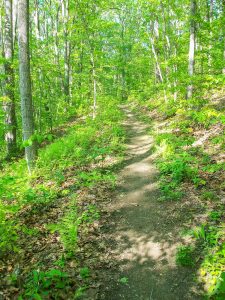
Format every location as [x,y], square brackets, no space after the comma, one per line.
[90,215]
[71,148]
[42,284]
[212,270]
[81,146]
[39,195]
[8,235]
[124,280]
[209,195]
[67,229]
[80,292]
[169,108]
[184,256]
[219,290]
[206,116]
[200,232]
[219,140]
[29,231]
[91,178]
[68,225]
[213,168]
[61,262]
[170,190]
[179,168]
[215,215]
[84,273]
[173,140]
[176,168]
[110,49]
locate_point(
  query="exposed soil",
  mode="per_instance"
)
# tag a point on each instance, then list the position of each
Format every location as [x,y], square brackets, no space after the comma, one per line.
[143,232]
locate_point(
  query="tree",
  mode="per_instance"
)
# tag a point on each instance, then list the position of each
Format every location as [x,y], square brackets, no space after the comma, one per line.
[191,61]
[25,84]
[81,51]
[9,101]
[223,19]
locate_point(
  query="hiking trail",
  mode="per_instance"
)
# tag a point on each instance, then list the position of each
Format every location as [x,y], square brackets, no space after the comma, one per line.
[144,232]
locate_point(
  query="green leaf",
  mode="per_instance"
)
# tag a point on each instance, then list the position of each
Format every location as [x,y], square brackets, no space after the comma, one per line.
[123,280]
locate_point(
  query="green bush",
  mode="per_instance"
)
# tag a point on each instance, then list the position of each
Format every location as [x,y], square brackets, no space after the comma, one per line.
[184,256]
[44,284]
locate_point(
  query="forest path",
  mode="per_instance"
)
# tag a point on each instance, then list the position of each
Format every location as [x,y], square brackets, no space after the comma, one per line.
[144,232]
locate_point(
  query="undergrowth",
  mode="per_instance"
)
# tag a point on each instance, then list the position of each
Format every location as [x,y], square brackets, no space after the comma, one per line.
[78,158]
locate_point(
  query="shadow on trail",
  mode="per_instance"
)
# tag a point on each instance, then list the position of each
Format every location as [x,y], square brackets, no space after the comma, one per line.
[144,233]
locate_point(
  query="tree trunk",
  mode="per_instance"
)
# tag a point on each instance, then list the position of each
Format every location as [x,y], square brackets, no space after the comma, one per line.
[158,69]
[223,21]
[210,8]
[25,84]
[9,103]
[67,49]
[36,20]
[192,49]
[80,70]
[159,72]
[123,60]
[94,85]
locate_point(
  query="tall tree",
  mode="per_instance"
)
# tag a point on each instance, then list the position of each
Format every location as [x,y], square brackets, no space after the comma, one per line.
[223,21]
[9,103]
[191,62]
[67,48]
[25,84]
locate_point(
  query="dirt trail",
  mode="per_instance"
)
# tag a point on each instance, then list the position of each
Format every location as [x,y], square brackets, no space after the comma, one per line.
[144,232]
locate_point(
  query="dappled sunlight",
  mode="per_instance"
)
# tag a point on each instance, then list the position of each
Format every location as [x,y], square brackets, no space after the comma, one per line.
[138,168]
[146,233]
[136,175]
[140,149]
[144,247]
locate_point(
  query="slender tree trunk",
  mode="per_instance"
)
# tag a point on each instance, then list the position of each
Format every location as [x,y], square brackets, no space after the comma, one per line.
[191,63]
[210,8]
[14,19]
[155,54]
[36,20]
[94,85]
[158,68]
[80,70]
[123,60]
[175,68]
[59,78]
[67,49]
[9,103]
[223,26]
[25,84]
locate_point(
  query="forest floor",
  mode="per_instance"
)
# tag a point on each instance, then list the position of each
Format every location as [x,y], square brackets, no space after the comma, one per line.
[143,232]
[157,232]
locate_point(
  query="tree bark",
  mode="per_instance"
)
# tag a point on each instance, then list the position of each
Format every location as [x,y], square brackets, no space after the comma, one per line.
[65,13]
[158,70]
[223,21]
[210,8]
[25,84]
[36,20]
[123,61]
[94,85]
[9,103]
[191,63]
